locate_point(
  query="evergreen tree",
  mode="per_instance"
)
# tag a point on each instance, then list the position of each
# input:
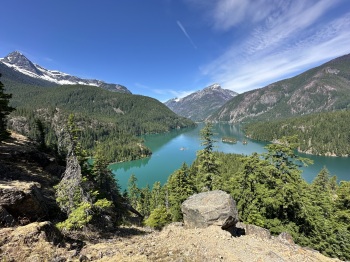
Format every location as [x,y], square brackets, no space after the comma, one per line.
[343,203]
[145,201]
[323,182]
[157,196]
[133,191]
[254,190]
[290,186]
[41,136]
[180,188]
[270,191]
[207,169]
[104,184]
[5,110]
[283,156]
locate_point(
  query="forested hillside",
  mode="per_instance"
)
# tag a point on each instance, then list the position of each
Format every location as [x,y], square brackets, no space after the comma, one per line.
[113,119]
[319,134]
[323,88]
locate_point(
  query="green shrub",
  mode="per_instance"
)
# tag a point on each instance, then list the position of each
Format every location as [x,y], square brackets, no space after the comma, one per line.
[79,217]
[158,218]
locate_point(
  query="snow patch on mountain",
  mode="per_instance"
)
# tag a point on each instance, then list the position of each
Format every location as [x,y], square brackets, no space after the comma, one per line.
[22,64]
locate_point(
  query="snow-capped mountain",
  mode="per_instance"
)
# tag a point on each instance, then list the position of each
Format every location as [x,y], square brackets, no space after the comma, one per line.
[22,64]
[200,104]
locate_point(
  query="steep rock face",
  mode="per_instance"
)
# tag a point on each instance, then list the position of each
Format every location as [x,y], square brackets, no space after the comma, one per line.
[210,208]
[199,105]
[324,88]
[26,183]
[21,64]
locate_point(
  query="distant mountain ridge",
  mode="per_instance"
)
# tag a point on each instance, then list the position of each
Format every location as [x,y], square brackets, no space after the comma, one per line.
[199,105]
[323,88]
[21,64]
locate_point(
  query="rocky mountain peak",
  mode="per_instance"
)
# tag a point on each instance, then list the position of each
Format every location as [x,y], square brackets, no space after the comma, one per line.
[17,62]
[17,59]
[213,87]
[14,55]
[200,104]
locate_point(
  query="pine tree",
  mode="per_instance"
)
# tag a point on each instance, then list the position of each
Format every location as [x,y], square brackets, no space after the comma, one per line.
[133,191]
[208,170]
[41,136]
[290,185]
[343,202]
[145,201]
[157,196]
[103,179]
[254,190]
[5,110]
[322,181]
[180,188]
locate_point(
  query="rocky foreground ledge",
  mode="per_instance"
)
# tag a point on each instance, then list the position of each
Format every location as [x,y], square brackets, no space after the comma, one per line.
[28,213]
[42,242]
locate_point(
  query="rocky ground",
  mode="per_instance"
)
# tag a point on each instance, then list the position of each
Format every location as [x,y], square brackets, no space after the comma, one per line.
[175,243]
[26,180]
[39,242]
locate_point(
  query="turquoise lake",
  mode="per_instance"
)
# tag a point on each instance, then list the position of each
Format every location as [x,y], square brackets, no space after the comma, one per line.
[171,150]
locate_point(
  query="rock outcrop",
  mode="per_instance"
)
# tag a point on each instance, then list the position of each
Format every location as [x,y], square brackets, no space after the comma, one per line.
[23,200]
[26,183]
[210,208]
[36,241]
[257,231]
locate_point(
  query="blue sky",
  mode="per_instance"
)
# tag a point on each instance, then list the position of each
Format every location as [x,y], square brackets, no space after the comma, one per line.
[170,48]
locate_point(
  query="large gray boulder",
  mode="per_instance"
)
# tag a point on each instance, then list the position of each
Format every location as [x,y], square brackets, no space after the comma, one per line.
[210,208]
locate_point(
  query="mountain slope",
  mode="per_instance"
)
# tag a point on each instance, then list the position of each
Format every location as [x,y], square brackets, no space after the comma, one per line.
[198,105]
[324,88]
[135,113]
[27,72]
[113,119]
[326,133]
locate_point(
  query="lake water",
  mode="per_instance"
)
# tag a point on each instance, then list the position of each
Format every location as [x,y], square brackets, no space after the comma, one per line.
[171,150]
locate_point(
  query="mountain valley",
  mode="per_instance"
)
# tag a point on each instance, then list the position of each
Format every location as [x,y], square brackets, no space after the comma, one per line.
[81,125]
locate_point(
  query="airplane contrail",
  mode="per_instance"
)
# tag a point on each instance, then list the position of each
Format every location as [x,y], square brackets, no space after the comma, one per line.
[185,33]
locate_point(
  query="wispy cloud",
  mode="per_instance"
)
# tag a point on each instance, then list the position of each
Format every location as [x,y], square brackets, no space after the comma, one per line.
[284,38]
[162,91]
[48,59]
[186,34]
[181,94]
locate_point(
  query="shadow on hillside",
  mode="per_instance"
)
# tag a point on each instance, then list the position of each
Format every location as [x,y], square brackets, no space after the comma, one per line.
[130,232]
